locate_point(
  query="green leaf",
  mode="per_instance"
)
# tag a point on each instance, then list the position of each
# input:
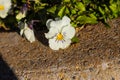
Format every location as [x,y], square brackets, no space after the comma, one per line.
[86,20]
[75,40]
[67,11]
[73,11]
[74,24]
[93,16]
[43,4]
[101,10]
[113,7]
[52,9]
[80,6]
[66,0]
[86,1]
[73,1]
[107,10]
[61,11]
[111,1]
[105,23]
[24,1]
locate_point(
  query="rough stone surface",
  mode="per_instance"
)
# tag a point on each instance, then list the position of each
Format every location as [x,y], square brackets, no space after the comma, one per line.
[95,57]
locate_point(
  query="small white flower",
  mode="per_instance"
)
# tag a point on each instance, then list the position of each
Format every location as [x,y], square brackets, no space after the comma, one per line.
[5,6]
[60,33]
[27,32]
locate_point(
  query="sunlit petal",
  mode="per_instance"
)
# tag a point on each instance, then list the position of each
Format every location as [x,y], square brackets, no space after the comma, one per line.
[21,32]
[53,44]
[64,44]
[48,23]
[65,21]
[52,32]
[69,31]
[57,24]
[28,33]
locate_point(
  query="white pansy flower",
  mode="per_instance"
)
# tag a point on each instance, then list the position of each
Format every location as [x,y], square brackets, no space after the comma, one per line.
[27,32]
[60,33]
[5,6]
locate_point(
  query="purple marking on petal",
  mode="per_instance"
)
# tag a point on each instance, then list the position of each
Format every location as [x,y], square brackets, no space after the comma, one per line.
[63,41]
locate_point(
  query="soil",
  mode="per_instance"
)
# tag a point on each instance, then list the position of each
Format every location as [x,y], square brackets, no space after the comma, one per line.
[95,57]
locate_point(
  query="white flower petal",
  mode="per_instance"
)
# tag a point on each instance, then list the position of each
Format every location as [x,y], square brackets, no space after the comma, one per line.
[56,24]
[65,21]
[52,32]
[21,32]
[65,44]
[53,44]
[3,14]
[57,19]
[56,45]
[28,33]
[48,23]
[69,31]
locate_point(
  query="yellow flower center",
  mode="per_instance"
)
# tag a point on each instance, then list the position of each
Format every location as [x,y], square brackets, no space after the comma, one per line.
[1,7]
[60,36]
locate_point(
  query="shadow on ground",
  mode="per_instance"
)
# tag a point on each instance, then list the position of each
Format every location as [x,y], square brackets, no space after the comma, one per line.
[5,72]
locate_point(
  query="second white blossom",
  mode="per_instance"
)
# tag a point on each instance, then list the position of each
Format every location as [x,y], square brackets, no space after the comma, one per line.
[60,33]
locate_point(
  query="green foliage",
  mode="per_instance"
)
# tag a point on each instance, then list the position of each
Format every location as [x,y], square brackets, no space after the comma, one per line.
[87,11]
[75,40]
[81,12]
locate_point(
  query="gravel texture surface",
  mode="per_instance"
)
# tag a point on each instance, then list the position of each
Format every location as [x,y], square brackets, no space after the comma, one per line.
[95,57]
